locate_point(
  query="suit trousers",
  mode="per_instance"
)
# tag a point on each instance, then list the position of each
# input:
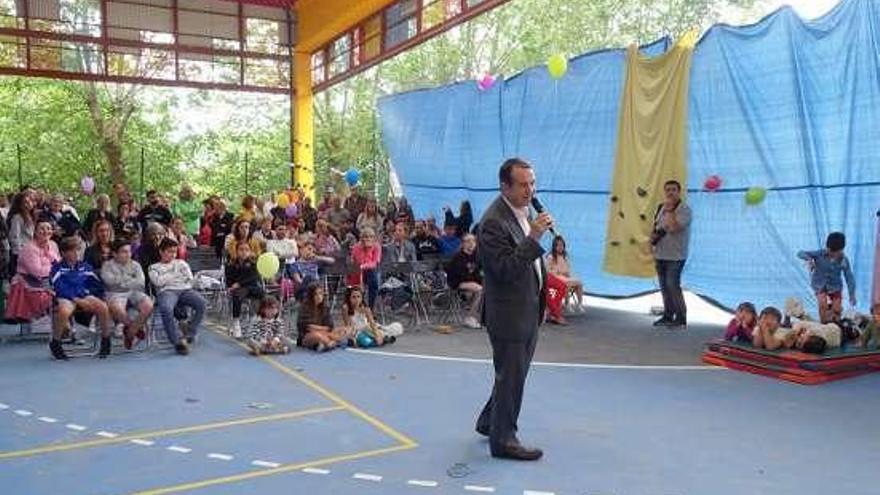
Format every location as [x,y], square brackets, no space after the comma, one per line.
[512,360]
[669,278]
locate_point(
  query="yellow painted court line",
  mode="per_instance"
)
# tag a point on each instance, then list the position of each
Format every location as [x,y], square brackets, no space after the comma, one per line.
[400,437]
[164,433]
[269,472]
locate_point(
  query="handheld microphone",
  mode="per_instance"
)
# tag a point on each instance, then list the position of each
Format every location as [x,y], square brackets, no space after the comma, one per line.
[539,207]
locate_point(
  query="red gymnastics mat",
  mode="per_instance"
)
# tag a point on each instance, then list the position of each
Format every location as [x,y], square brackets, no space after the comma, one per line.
[793,366]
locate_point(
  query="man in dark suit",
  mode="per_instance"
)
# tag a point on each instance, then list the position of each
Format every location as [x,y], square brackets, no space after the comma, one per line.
[514,282]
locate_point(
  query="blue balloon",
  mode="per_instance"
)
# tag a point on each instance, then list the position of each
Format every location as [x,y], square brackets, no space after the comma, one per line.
[365,340]
[352,176]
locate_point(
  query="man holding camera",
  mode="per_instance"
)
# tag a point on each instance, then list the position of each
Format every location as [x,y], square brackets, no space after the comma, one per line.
[670,240]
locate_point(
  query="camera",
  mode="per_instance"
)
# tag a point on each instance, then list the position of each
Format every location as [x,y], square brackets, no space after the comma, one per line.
[657,234]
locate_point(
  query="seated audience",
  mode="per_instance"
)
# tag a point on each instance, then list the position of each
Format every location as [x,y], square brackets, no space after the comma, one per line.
[63,221]
[264,234]
[464,273]
[314,324]
[101,248]
[426,244]
[305,270]
[241,234]
[400,249]
[185,242]
[370,217]
[30,295]
[172,281]
[242,281]
[558,265]
[449,242]
[266,334]
[742,325]
[124,284]
[77,287]
[126,224]
[282,246]
[154,211]
[101,211]
[358,319]
[463,221]
[367,255]
[325,243]
[149,251]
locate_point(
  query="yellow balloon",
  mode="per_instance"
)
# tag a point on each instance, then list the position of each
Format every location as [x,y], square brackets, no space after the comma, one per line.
[267,265]
[557,65]
[283,200]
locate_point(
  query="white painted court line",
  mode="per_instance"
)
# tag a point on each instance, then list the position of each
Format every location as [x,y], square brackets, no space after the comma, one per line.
[478,488]
[265,464]
[106,434]
[316,471]
[3,406]
[47,419]
[141,441]
[75,427]
[367,477]
[545,364]
[534,492]
[424,483]
[23,412]
[221,457]
[177,448]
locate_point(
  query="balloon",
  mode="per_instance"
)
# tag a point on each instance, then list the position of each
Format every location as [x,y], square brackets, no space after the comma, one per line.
[486,82]
[267,265]
[365,340]
[755,195]
[282,200]
[713,183]
[558,66]
[352,176]
[87,184]
[291,210]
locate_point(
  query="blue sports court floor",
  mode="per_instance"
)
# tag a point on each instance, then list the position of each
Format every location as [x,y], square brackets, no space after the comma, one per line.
[222,422]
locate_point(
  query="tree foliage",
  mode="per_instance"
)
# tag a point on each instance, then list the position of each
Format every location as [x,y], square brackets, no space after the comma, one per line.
[67,130]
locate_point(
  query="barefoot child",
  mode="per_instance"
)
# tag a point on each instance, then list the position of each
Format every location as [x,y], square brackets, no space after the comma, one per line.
[827,266]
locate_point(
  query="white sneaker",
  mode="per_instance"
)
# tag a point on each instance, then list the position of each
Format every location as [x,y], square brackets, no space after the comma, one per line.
[471,322]
[235,330]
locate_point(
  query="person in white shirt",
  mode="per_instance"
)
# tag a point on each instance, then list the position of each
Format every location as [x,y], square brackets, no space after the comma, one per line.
[172,281]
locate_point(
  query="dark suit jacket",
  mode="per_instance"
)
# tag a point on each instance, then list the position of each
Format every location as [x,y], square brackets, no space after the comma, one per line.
[390,251]
[513,300]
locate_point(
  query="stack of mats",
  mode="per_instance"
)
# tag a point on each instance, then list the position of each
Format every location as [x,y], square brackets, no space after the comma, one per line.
[792,365]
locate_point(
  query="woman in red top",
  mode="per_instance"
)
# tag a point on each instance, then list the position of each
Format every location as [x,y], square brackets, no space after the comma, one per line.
[366,255]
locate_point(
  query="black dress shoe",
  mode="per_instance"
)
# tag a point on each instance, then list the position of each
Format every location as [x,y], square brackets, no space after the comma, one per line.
[517,452]
[105,348]
[483,430]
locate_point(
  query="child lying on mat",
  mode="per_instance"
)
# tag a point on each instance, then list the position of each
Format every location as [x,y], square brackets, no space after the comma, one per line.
[742,325]
[768,335]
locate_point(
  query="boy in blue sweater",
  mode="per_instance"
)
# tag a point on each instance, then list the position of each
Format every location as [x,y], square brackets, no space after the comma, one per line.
[77,286]
[827,265]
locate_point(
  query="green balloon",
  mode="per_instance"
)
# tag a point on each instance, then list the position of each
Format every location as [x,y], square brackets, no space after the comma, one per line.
[557,65]
[267,265]
[755,195]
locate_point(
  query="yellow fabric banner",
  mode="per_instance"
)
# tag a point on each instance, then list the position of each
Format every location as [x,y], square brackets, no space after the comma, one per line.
[651,149]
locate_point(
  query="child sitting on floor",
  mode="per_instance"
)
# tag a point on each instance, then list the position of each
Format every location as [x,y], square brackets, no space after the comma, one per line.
[768,335]
[827,266]
[357,317]
[742,325]
[266,334]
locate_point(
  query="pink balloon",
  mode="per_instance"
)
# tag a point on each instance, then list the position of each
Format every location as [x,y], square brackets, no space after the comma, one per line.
[713,183]
[87,184]
[486,82]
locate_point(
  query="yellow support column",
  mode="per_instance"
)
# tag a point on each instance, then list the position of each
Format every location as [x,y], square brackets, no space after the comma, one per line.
[303,125]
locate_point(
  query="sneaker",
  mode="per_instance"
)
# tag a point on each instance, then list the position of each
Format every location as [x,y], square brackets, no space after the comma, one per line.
[57,350]
[678,324]
[471,322]
[235,329]
[181,349]
[105,348]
